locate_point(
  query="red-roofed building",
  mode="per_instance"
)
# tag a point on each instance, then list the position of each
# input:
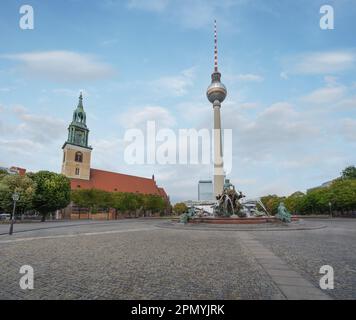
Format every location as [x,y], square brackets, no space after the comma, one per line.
[15,170]
[118,182]
[77,158]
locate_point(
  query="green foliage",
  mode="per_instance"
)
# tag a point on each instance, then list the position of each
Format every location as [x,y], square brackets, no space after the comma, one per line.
[153,202]
[341,195]
[349,173]
[52,192]
[3,173]
[121,201]
[23,185]
[180,208]
[294,202]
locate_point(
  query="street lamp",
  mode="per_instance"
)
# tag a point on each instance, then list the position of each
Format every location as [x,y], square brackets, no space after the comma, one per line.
[15,197]
[331,215]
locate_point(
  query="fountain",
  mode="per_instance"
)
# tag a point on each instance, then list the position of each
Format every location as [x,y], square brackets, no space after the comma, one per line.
[230,208]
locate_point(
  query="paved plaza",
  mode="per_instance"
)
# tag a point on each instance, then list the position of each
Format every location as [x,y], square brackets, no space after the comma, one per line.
[149,259]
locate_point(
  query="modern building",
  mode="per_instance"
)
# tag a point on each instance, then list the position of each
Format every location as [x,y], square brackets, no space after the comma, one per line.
[76,164]
[205,190]
[216,94]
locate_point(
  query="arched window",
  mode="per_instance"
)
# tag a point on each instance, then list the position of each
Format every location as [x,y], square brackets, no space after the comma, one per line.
[77,171]
[78,157]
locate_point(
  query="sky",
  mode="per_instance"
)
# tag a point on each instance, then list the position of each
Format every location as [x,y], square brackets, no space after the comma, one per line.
[291,100]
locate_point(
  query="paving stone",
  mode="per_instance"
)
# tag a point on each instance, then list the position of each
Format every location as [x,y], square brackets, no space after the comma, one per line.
[137,260]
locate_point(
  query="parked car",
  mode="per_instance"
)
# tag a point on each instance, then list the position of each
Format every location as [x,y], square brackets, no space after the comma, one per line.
[5,216]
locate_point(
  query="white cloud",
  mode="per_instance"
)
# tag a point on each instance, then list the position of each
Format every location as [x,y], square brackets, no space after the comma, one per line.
[192,14]
[248,105]
[248,77]
[106,153]
[62,66]
[325,95]
[323,62]
[175,85]
[138,117]
[70,92]
[151,5]
[276,130]
[40,129]
[5,89]
[348,129]
[347,103]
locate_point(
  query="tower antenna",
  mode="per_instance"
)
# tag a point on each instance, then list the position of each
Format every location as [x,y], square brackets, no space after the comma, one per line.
[215,48]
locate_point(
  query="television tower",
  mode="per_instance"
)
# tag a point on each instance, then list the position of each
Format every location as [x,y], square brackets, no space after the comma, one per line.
[216,94]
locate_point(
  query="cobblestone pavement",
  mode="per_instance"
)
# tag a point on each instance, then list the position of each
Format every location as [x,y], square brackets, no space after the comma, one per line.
[134,259]
[307,251]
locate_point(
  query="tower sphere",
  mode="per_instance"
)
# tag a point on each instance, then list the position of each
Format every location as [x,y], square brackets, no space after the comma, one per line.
[216,91]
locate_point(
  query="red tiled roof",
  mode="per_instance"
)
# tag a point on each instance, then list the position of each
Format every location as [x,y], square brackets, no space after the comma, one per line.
[20,171]
[163,193]
[112,181]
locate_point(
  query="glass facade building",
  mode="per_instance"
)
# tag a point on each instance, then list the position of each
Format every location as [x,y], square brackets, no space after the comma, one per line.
[205,190]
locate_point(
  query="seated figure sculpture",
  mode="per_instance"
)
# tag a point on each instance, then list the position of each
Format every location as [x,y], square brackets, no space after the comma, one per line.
[185,217]
[283,214]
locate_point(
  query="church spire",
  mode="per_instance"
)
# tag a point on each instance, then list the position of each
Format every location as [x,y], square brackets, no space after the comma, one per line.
[79,116]
[80,103]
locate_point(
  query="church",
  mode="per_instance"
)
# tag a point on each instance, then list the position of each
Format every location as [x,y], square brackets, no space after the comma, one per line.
[76,165]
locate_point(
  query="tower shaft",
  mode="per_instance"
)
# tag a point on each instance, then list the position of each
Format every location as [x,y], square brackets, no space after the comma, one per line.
[219,175]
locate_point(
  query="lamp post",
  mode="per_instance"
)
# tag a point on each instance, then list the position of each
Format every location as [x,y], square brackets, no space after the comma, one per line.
[331,215]
[15,197]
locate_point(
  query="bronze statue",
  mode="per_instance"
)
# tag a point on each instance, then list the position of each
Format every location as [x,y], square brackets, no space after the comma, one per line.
[283,214]
[229,202]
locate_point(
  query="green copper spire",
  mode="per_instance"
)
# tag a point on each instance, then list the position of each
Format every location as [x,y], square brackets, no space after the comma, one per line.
[79,116]
[77,131]
[80,103]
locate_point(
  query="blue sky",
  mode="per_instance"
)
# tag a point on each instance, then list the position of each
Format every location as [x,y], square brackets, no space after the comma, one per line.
[291,86]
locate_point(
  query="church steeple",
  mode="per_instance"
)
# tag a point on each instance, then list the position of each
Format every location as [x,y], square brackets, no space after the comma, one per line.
[76,151]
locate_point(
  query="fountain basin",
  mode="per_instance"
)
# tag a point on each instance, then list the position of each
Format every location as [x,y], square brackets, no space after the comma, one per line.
[227,220]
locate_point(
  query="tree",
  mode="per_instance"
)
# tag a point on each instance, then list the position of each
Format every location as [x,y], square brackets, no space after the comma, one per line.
[343,194]
[271,203]
[52,192]
[180,208]
[118,201]
[101,199]
[94,199]
[23,185]
[294,202]
[154,203]
[3,172]
[81,198]
[349,173]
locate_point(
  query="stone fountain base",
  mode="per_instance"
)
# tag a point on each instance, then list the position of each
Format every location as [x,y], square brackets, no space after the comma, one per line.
[237,220]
